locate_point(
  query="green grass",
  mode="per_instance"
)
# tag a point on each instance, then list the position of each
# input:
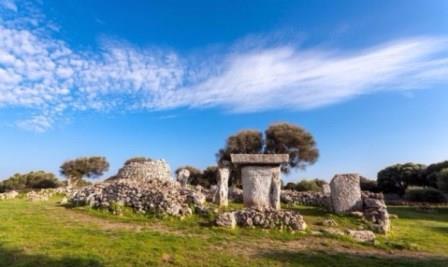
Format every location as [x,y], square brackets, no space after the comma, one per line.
[46,234]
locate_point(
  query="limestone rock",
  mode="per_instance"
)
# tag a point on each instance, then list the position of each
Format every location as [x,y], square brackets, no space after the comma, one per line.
[270,219]
[226,219]
[346,193]
[222,196]
[9,195]
[144,170]
[183,176]
[153,196]
[362,235]
[257,182]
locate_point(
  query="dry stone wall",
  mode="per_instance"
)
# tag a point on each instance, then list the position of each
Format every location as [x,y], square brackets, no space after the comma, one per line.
[307,198]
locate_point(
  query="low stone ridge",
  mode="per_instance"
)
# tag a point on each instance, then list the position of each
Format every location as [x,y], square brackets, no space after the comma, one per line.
[259,159]
[9,195]
[144,170]
[263,218]
[153,196]
[307,198]
[345,193]
[375,212]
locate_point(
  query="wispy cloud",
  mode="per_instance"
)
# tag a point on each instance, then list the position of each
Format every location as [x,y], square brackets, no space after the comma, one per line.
[49,78]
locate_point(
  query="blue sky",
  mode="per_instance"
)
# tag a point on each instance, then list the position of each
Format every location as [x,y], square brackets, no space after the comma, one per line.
[173,79]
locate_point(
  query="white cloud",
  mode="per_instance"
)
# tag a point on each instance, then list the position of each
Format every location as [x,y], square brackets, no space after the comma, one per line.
[49,78]
[9,4]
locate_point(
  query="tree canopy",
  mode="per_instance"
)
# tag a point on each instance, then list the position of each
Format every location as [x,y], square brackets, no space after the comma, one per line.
[278,138]
[396,178]
[31,180]
[91,167]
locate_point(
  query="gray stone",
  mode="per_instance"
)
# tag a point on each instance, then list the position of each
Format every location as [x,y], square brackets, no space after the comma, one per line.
[345,193]
[226,219]
[259,159]
[362,235]
[222,196]
[275,189]
[257,183]
[144,171]
[183,176]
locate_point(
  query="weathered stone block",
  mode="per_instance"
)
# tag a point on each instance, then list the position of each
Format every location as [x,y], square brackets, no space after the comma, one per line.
[222,196]
[346,193]
[257,186]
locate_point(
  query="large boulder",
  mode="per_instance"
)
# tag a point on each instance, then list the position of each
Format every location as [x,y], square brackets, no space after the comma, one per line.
[346,193]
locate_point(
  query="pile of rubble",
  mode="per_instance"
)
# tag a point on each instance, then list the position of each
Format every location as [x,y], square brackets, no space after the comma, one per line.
[153,196]
[9,195]
[45,194]
[307,198]
[263,218]
[375,212]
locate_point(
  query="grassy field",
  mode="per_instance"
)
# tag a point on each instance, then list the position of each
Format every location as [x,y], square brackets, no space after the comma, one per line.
[46,234]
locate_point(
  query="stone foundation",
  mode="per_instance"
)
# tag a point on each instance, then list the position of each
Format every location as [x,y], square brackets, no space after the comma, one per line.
[268,219]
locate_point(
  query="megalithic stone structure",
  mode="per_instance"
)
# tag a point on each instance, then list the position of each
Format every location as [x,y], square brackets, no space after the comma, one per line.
[346,193]
[261,178]
[222,196]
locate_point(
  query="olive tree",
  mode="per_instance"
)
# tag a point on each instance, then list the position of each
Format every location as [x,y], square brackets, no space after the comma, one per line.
[91,167]
[432,171]
[293,140]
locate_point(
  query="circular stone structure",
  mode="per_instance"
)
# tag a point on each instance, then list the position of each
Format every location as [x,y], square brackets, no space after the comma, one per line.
[144,170]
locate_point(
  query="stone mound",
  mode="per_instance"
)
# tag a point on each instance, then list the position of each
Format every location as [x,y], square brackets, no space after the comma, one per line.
[152,196]
[263,218]
[144,170]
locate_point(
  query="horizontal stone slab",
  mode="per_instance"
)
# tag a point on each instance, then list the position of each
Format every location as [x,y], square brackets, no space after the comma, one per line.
[259,159]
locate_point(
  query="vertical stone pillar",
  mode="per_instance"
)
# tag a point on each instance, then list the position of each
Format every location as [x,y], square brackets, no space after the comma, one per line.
[222,195]
[257,182]
[275,188]
[345,193]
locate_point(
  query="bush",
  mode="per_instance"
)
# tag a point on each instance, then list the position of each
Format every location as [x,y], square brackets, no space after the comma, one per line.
[396,178]
[137,160]
[309,185]
[31,180]
[368,185]
[431,173]
[290,186]
[442,180]
[425,194]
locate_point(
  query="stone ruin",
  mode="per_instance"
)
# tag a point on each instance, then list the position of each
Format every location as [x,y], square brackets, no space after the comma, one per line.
[260,176]
[222,194]
[9,195]
[144,170]
[160,197]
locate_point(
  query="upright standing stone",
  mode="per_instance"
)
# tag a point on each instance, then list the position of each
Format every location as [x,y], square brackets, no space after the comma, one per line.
[222,195]
[276,188]
[182,177]
[345,193]
[260,175]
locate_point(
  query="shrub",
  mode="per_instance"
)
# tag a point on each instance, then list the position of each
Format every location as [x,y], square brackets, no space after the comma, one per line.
[432,172]
[442,180]
[31,180]
[137,159]
[290,186]
[310,185]
[425,194]
[368,185]
[396,178]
